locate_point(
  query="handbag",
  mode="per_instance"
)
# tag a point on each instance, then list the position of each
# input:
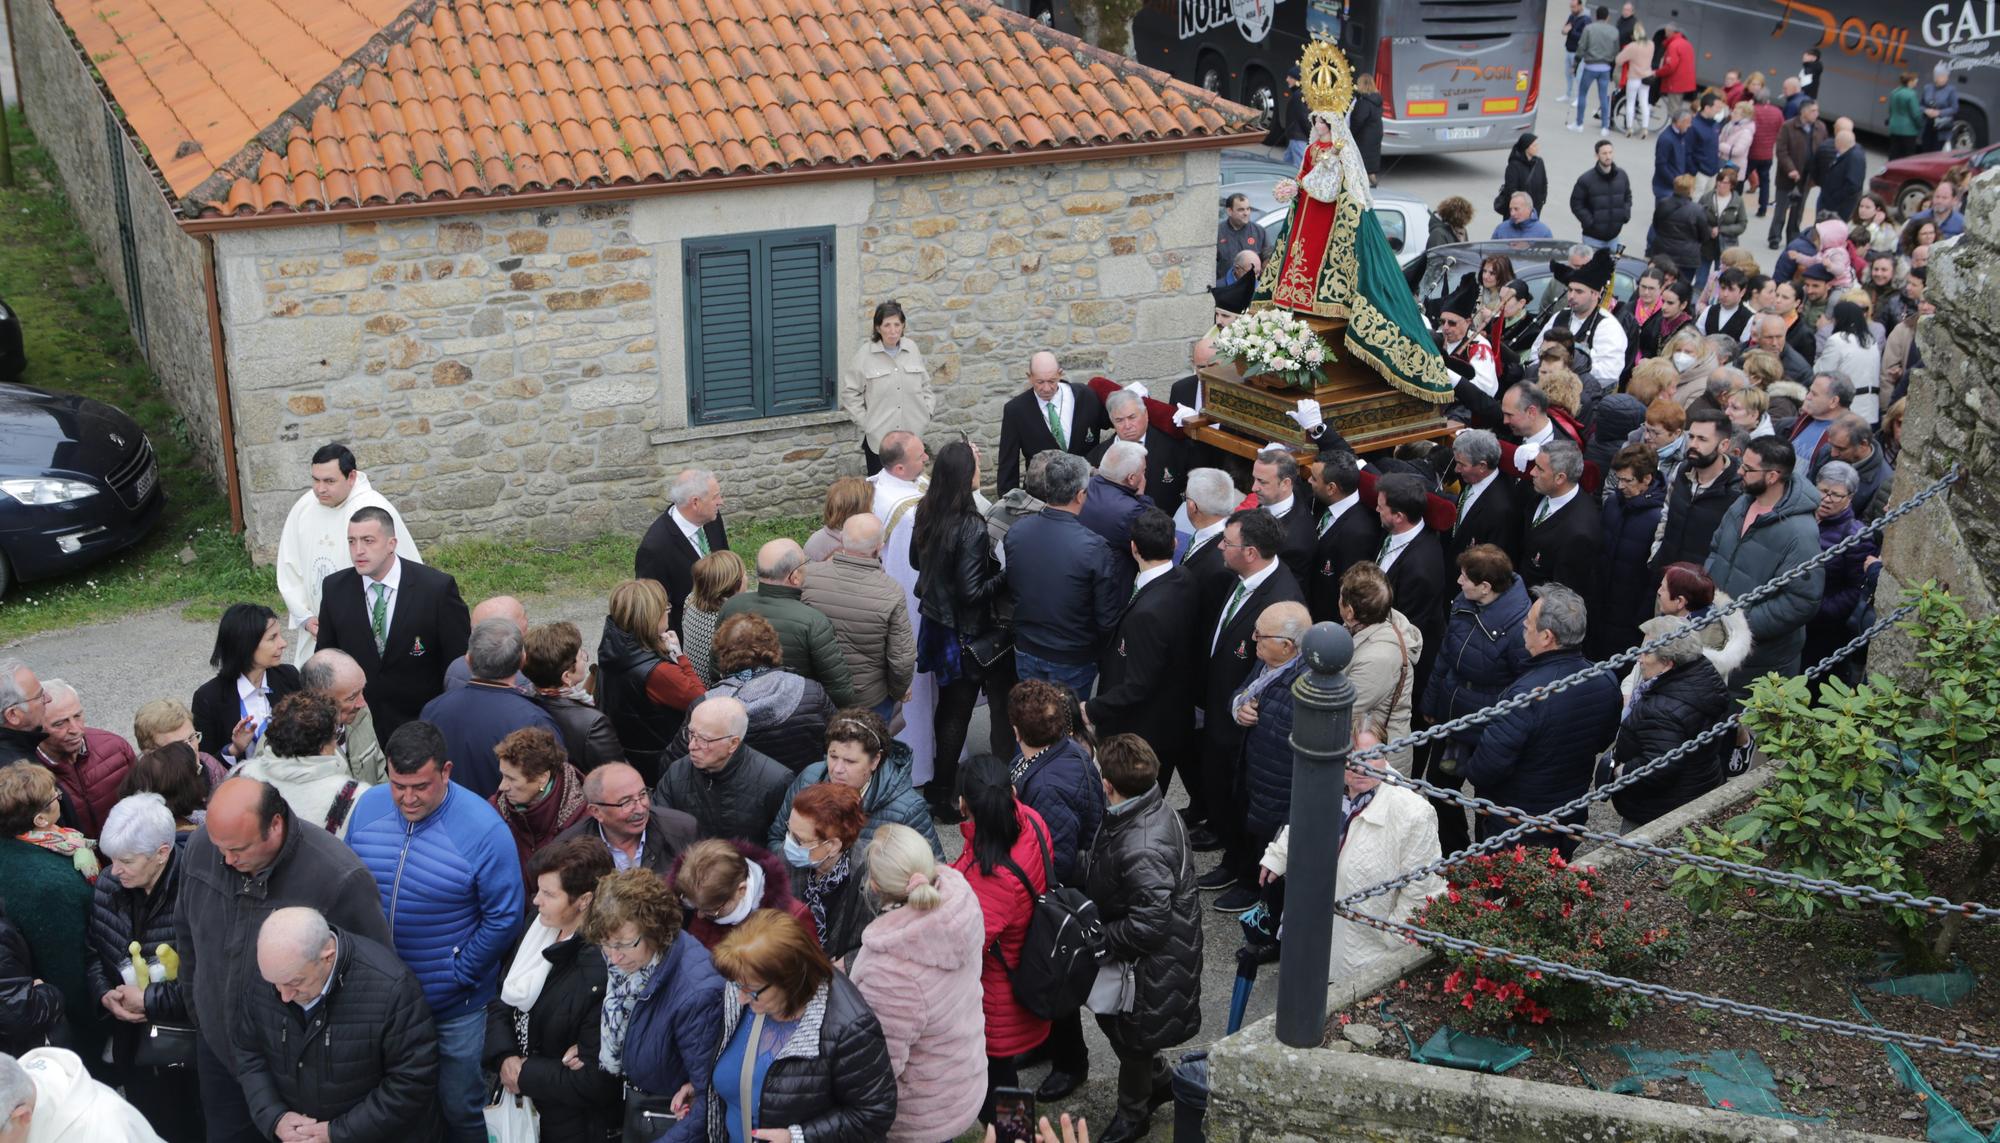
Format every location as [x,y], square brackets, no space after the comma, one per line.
[164,1046]
[986,649]
[512,1119]
[647,1116]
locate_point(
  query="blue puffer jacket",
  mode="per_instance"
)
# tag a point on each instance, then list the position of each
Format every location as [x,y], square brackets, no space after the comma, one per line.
[1541,756]
[451,888]
[1267,752]
[672,1037]
[1061,784]
[1483,654]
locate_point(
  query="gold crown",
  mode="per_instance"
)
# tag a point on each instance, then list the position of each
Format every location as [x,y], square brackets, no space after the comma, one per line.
[1326,78]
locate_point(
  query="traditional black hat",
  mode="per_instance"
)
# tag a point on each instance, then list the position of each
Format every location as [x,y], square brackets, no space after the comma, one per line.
[1595,273]
[1464,301]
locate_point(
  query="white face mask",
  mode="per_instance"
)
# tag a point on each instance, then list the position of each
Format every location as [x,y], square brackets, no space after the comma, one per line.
[1683,360]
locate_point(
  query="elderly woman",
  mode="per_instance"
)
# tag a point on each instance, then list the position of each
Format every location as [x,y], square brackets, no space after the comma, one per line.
[300,760]
[1386,649]
[788,713]
[886,386]
[718,577]
[138,899]
[1630,515]
[544,1032]
[1482,655]
[1750,411]
[860,755]
[1389,832]
[919,972]
[820,838]
[800,1056]
[1693,360]
[721,882]
[645,684]
[47,899]
[1687,592]
[1846,576]
[662,1006]
[164,721]
[540,793]
[1679,695]
[848,496]
[174,772]
[552,658]
[1263,705]
[251,675]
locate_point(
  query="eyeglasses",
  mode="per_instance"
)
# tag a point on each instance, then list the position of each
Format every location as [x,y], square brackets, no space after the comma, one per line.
[705,739]
[631,803]
[1835,494]
[1259,638]
[753,993]
[623,946]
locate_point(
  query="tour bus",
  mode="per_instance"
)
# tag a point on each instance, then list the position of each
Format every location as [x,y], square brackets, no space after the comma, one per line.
[1456,75]
[1863,47]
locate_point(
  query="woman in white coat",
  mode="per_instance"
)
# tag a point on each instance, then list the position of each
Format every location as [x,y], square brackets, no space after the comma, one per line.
[1391,830]
[1853,350]
[886,388]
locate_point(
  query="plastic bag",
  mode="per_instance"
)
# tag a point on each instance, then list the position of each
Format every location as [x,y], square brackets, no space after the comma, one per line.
[513,1119]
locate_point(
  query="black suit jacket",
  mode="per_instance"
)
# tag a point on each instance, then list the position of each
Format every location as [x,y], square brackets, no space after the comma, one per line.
[1023,432]
[1212,578]
[666,557]
[1300,523]
[428,629]
[1424,587]
[1495,519]
[1234,654]
[1356,536]
[1145,685]
[1166,468]
[1566,548]
[217,708]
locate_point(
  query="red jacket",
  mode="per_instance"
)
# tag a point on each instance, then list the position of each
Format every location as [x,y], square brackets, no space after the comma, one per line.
[1677,69]
[777,895]
[91,786]
[1010,1028]
[1768,117]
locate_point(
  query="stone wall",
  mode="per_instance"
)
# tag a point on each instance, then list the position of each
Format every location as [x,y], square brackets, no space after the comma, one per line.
[523,373]
[1954,418]
[65,107]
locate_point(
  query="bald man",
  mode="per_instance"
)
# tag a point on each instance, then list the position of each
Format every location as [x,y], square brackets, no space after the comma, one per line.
[248,859]
[811,647]
[337,1041]
[1841,169]
[1053,413]
[499,607]
[870,616]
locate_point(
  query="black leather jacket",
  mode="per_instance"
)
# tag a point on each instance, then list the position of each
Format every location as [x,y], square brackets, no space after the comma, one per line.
[960,592]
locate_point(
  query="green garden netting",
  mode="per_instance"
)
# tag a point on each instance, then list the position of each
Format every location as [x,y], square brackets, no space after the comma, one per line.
[1945,990]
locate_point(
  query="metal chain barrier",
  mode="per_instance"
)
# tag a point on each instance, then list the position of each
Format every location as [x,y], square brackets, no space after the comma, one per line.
[1670,995]
[1625,658]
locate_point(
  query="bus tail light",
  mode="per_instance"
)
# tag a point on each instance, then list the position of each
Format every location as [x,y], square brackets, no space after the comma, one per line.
[1385,78]
[1535,80]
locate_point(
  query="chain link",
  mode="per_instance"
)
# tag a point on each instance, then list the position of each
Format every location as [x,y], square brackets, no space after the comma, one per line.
[1625,658]
[1670,995]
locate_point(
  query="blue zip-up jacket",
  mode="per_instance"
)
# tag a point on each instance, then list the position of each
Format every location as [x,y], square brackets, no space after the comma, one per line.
[451,888]
[672,1038]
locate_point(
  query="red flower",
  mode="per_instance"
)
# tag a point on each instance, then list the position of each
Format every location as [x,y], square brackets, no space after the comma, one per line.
[1452,982]
[1628,905]
[1520,854]
[1470,1000]
[1402,986]
[1345,1019]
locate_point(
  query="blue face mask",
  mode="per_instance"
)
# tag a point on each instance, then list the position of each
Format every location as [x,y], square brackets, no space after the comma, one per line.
[797,855]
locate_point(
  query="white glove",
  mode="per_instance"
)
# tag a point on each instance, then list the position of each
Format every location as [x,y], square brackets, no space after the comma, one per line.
[1138,388]
[1183,414]
[1524,455]
[1307,416]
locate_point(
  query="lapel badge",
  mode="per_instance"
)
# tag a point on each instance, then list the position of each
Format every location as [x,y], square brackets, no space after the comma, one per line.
[416,648]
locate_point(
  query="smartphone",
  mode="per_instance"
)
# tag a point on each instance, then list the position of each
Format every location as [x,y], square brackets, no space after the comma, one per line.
[1013,1115]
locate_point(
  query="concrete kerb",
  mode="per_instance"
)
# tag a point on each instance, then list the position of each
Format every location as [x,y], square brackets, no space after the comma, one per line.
[1263,1090]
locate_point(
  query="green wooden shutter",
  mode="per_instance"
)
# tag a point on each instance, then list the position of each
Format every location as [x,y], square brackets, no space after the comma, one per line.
[760,325]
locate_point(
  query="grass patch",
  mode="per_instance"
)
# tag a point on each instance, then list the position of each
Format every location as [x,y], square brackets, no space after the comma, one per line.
[77,340]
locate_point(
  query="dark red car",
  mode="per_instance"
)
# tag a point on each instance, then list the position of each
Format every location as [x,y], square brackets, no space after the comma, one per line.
[1906,182]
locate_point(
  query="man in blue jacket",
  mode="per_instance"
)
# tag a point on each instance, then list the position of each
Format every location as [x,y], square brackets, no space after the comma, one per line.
[450,880]
[1705,141]
[1065,583]
[1541,756]
[1673,154]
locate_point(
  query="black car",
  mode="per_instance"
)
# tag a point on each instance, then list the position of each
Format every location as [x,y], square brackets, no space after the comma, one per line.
[78,481]
[1444,267]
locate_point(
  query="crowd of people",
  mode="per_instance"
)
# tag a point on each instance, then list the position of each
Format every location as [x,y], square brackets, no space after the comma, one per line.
[408,869]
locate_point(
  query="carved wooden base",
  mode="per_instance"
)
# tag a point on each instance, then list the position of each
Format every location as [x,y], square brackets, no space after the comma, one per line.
[1244,413]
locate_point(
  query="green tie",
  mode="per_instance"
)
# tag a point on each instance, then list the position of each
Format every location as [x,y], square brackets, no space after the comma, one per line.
[1541,514]
[378,618]
[1055,425]
[701,541]
[1134,595]
[1463,494]
[1325,521]
[1235,601]
[1382,553]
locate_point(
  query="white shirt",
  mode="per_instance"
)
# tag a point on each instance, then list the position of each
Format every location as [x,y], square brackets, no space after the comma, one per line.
[1607,343]
[1281,508]
[1478,353]
[1472,496]
[1149,575]
[1203,537]
[1065,403]
[1395,545]
[254,700]
[394,582]
[1555,504]
[689,530]
[1250,586]
[1337,509]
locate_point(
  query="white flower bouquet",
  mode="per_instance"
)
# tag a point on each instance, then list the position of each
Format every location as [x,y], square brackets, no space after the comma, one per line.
[1276,343]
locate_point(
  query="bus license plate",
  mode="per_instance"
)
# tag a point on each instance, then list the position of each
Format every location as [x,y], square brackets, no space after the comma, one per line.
[1460,134]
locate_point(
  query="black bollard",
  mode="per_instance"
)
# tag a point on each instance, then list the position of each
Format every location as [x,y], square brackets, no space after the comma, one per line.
[1322,711]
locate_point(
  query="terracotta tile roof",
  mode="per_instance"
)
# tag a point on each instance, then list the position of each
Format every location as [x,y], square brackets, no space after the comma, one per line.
[482,97]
